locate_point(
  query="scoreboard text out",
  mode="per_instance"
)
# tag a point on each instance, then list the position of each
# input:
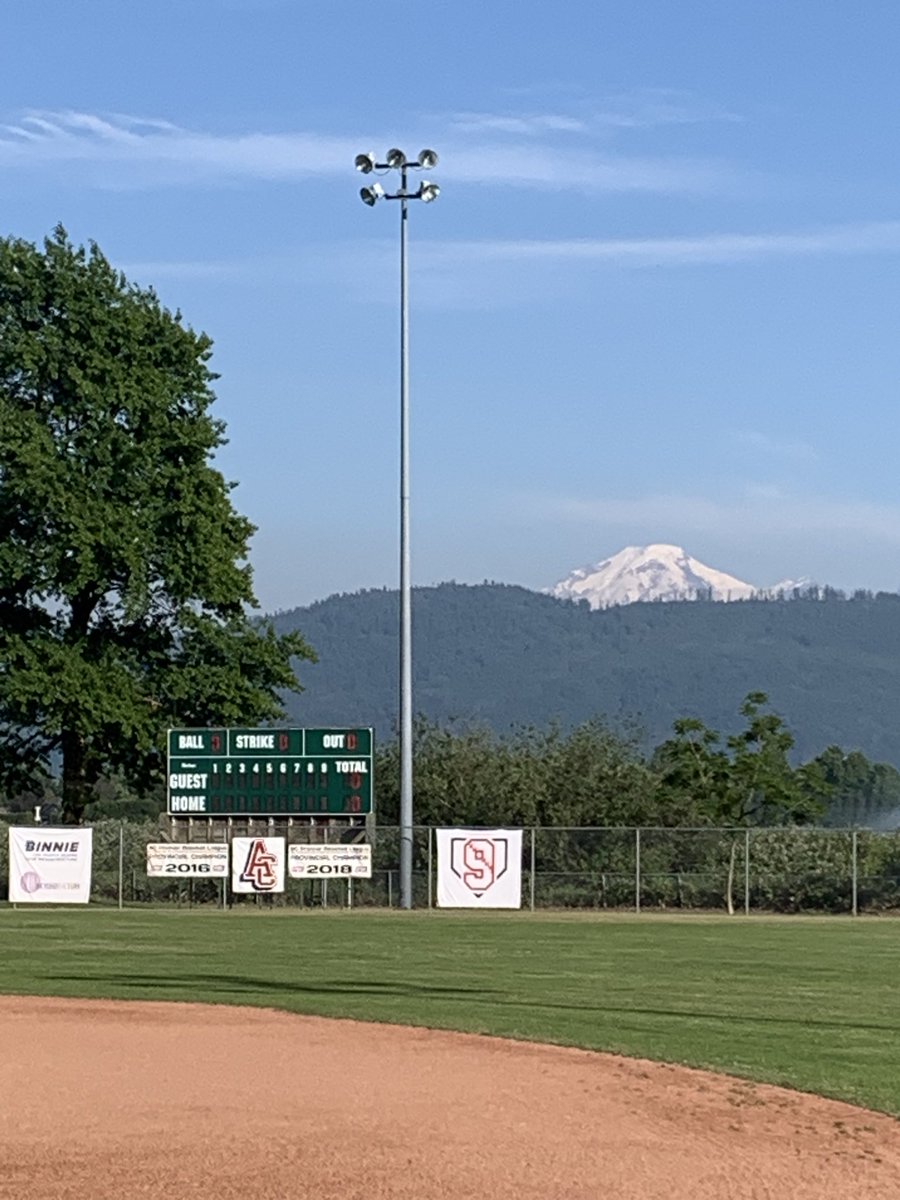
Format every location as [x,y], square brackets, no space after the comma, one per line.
[269,772]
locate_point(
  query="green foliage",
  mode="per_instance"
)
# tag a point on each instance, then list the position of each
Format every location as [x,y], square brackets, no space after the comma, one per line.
[860,791]
[123,577]
[591,775]
[748,779]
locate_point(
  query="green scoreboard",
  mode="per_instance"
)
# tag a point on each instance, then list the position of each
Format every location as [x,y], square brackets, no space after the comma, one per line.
[269,772]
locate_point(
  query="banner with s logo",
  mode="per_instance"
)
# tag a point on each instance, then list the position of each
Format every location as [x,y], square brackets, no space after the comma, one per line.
[479,868]
[257,864]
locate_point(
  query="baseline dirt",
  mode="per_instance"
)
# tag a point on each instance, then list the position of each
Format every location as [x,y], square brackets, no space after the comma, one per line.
[113,1101]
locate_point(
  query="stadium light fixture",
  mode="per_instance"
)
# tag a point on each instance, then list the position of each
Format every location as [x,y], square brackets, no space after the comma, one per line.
[371,195]
[396,160]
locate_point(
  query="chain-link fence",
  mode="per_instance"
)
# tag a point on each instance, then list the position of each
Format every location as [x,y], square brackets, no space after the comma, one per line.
[790,870]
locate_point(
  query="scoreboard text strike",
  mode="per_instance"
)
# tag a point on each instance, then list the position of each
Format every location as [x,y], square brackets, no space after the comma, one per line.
[270,772]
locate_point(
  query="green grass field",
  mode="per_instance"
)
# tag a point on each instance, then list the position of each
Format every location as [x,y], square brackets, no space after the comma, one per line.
[812,1003]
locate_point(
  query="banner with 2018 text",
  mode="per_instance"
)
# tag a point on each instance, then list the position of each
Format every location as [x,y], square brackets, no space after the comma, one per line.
[50,866]
[479,868]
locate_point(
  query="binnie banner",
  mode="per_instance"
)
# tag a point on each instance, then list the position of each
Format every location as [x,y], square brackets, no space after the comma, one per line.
[49,865]
[479,868]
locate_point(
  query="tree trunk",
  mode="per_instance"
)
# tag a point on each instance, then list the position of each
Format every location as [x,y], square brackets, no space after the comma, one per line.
[76,791]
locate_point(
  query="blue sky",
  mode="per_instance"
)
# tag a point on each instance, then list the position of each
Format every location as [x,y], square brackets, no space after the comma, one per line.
[657,299]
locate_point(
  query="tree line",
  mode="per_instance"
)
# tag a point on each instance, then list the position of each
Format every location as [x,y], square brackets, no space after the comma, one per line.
[597,775]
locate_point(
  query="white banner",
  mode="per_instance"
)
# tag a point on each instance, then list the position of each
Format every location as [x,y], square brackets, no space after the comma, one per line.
[186,860]
[479,868]
[50,865]
[257,864]
[352,861]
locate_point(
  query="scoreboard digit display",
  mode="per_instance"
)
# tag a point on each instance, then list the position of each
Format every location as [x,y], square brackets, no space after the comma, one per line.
[269,772]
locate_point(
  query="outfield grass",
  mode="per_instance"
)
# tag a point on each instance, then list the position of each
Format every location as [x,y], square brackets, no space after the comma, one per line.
[812,1003]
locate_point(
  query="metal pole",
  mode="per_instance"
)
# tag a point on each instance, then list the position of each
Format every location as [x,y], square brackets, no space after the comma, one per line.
[637,870]
[430,866]
[854,844]
[747,872]
[406,765]
[121,862]
[531,884]
[325,881]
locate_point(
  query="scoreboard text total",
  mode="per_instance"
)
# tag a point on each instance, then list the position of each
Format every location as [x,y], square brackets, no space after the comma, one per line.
[270,772]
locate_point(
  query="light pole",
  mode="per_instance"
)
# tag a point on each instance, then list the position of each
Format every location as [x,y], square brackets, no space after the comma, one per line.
[396,160]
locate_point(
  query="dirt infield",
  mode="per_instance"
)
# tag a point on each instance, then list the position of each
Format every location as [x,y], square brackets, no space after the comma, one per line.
[103,1100]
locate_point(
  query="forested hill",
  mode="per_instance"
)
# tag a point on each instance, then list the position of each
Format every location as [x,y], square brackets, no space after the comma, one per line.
[507,656]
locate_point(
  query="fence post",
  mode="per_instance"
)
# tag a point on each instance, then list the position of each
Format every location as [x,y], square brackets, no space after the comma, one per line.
[747,872]
[324,883]
[531,872]
[121,862]
[854,883]
[430,866]
[390,876]
[637,869]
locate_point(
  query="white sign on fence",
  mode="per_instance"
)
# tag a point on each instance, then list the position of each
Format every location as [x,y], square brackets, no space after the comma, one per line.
[187,860]
[329,862]
[479,868]
[257,864]
[50,866]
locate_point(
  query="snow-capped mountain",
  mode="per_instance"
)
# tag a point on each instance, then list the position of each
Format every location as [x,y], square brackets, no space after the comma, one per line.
[656,572]
[790,587]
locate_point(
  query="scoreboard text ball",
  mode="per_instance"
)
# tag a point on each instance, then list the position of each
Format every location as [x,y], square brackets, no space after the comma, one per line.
[269,772]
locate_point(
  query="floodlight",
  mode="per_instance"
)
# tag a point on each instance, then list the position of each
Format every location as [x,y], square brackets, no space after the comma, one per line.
[428,191]
[395,158]
[427,159]
[371,195]
[365,163]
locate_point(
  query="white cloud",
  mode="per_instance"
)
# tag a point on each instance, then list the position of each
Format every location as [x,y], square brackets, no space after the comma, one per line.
[767,511]
[490,275]
[126,151]
[641,108]
[713,248]
[520,126]
[645,108]
[764,443]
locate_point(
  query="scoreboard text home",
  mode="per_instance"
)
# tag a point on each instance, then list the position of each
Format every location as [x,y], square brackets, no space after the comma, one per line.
[269,772]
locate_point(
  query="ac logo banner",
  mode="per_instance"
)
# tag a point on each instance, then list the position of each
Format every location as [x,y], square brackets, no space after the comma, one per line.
[479,868]
[257,864]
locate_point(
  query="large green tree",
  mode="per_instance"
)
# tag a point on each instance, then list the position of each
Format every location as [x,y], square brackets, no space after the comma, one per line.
[745,780]
[124,586]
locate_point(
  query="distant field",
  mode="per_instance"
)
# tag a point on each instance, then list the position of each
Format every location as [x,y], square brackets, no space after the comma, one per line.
[811,1003]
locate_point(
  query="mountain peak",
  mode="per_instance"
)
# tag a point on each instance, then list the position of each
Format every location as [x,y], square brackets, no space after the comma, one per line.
[655,572]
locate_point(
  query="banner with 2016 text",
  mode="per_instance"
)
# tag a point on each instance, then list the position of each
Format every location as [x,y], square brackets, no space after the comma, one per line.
[50,866]
[479,868]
